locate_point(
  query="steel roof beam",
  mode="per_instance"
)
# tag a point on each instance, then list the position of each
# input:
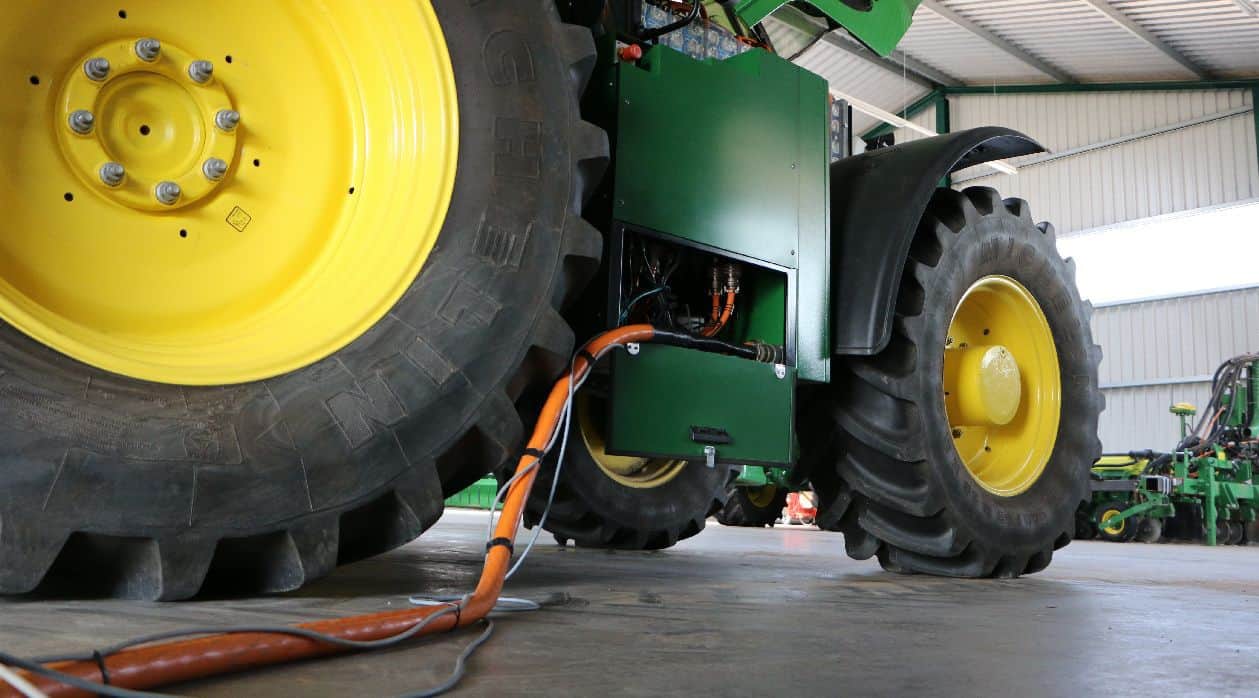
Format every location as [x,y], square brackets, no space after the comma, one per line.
[1043,66]
[1127,23]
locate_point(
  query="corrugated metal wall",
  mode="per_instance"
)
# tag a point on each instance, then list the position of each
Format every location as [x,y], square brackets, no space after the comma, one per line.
[1203,165]
[1164,351]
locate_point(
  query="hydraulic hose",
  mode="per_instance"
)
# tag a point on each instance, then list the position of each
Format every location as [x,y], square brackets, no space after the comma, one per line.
[151,666]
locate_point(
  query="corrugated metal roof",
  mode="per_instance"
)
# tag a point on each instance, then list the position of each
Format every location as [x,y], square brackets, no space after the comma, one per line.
[1031,41]
[1078,37]
[848,73]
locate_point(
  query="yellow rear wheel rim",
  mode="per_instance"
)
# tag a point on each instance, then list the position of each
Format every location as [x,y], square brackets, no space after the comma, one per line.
[1002,386]
[338,179]
[762,497]
[630,471]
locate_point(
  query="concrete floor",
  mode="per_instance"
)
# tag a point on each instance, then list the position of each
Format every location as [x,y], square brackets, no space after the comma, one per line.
[749,612]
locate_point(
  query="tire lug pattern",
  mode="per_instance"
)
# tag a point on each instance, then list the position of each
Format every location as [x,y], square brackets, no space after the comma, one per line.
[875,478]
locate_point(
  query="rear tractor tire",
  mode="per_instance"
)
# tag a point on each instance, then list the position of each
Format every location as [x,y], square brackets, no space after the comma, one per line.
[963,447]
[144,477]
[620,502]
[753,506]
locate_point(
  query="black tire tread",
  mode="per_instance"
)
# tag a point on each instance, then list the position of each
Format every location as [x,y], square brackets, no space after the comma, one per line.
[877,490]
[305,547]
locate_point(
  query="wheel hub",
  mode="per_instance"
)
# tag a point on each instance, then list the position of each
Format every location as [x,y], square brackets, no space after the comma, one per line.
[1002,388]
[151,118]
[990,386]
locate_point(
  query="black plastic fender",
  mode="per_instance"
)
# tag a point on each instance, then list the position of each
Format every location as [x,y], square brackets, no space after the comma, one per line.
[877,199]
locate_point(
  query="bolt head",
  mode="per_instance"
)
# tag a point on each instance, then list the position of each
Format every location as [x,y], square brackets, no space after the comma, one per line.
[201,71]
[96,69]
[227,119]
[214,169]
[148,49]
[167,192]
[82,121]
[112,174]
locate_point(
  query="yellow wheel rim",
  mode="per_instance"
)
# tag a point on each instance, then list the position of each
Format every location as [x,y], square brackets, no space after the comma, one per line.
[1002,387]
[336,184]
[1118,527]
[638,473]
[762,497]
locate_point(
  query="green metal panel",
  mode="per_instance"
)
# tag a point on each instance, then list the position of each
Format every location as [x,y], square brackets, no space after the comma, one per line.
[662,392]
[881,27]
[702,155]
[760,476]
[734,155]
[478,495]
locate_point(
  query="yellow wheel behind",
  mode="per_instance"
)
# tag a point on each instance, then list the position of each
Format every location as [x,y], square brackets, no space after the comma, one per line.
[1002,387]
[159,239]
[630,471]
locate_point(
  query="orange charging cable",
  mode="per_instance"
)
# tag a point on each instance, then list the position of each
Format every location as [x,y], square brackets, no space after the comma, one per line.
[155,665]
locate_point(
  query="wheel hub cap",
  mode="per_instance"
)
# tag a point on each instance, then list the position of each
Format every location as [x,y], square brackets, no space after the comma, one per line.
[990,385]
[1002,388]
[150,117]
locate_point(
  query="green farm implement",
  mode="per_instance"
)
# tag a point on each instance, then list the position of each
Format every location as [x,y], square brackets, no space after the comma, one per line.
[1205,489]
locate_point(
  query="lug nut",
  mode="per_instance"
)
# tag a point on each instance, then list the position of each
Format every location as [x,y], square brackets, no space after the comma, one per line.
[167,192]
[96,69]
[201,71]
[148,49]
[227,119]
[112,174]
[82,121]
[214,169]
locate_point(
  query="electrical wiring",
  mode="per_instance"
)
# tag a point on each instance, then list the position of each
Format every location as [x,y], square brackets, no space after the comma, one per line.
[461,665]
[92,687]
[630,306]
[138,664]
[238,630]
[20,684]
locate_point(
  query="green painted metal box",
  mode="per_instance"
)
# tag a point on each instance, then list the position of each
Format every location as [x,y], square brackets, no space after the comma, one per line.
[731,157]
[663,394]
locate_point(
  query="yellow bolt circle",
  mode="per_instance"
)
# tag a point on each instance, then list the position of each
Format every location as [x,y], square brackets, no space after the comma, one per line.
[151,118]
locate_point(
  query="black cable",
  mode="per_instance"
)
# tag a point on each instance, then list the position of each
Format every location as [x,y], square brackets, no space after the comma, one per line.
[264,629]
[35,667]
[461,665]
[680,339]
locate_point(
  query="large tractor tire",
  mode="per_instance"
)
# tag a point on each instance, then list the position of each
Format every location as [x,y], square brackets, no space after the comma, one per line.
[621,502]
[265,372]
[753,506]
[963,448]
